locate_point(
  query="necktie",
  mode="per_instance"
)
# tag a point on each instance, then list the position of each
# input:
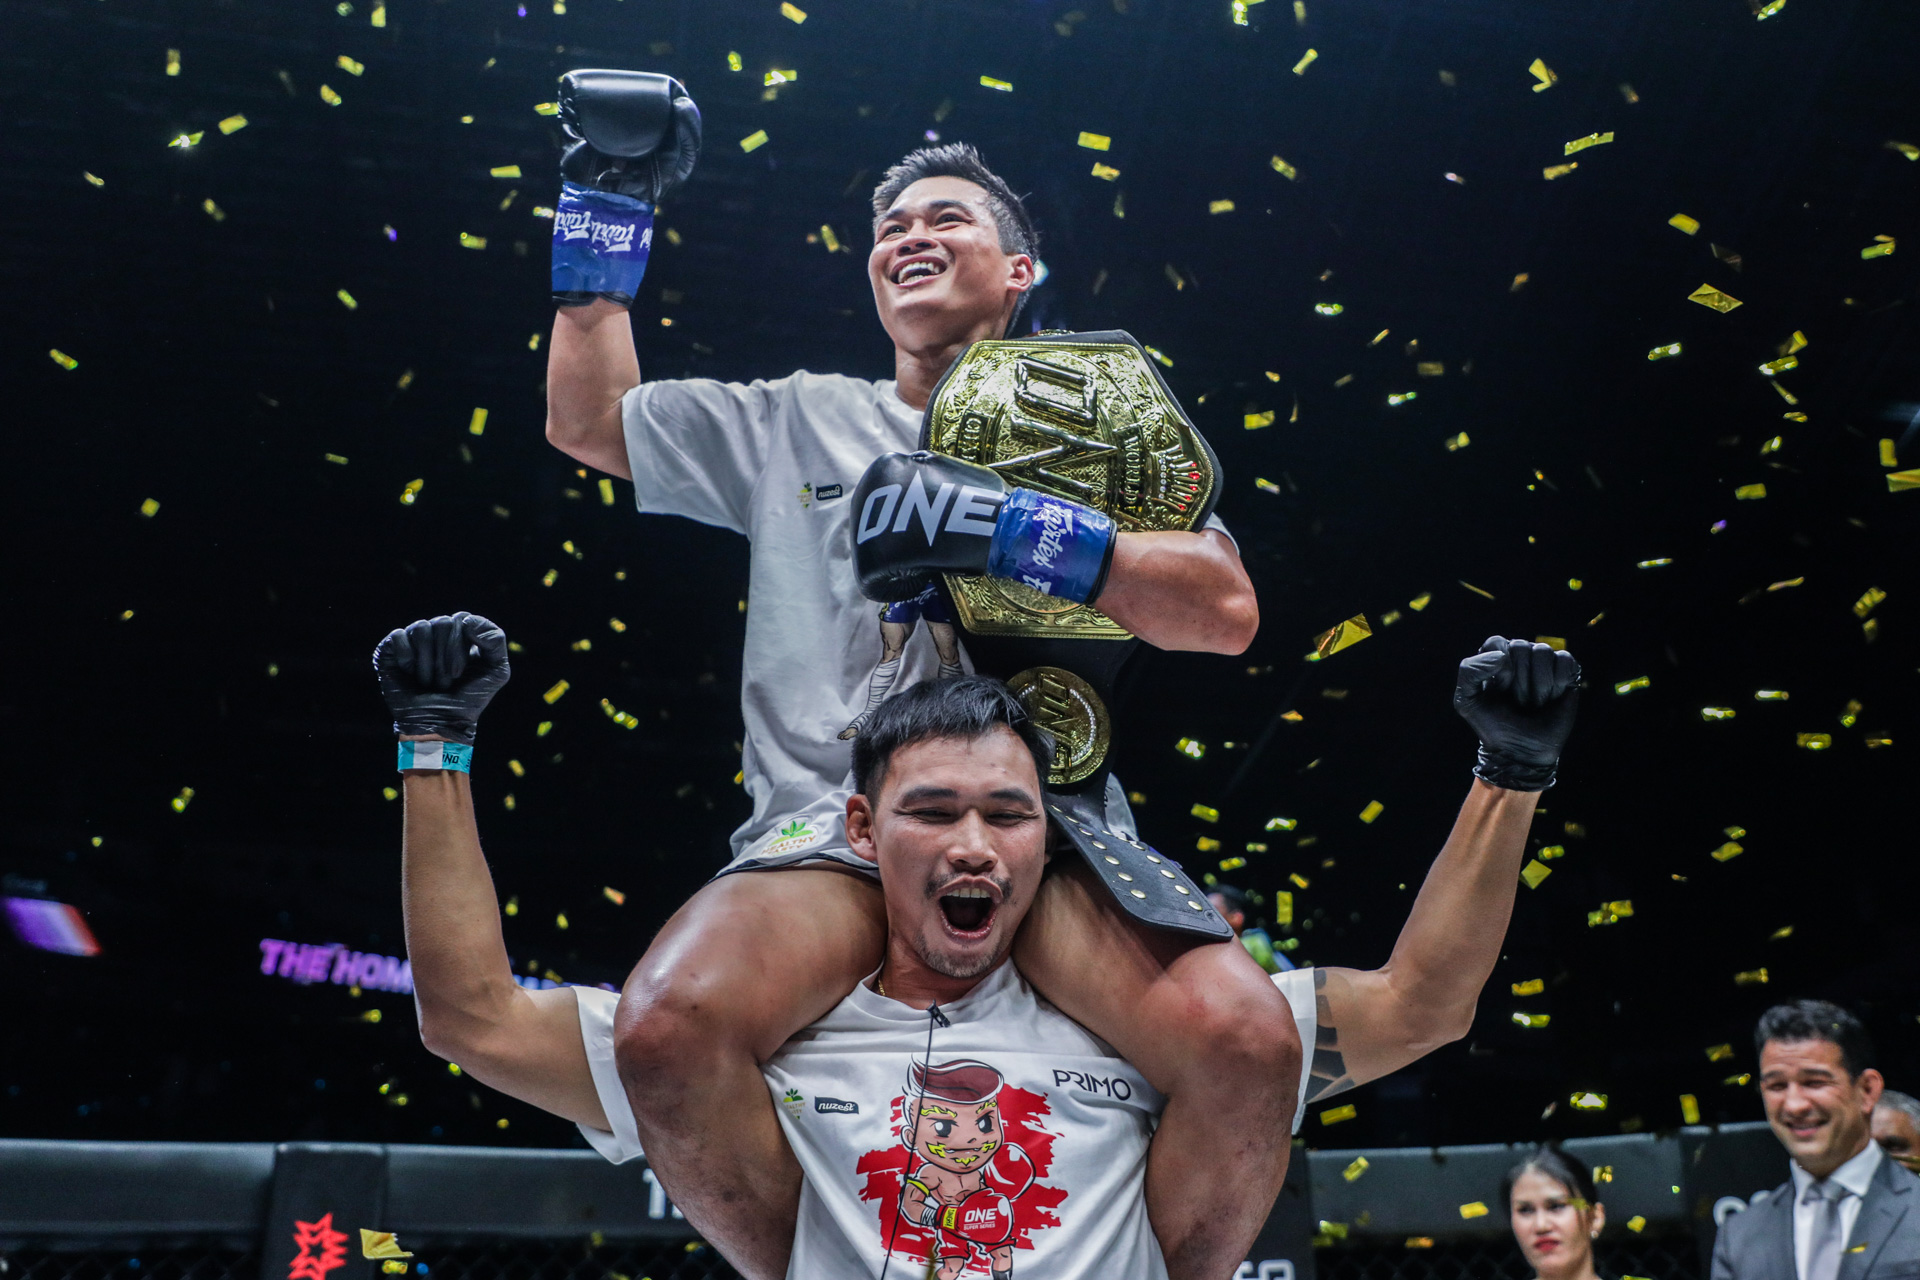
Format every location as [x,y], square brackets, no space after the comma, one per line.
[1823,1257]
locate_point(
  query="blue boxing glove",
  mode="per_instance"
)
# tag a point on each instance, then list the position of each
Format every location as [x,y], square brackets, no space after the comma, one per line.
[920,514]
[636,138]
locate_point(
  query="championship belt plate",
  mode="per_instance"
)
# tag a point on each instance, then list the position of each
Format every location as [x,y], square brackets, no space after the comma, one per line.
[1085,417]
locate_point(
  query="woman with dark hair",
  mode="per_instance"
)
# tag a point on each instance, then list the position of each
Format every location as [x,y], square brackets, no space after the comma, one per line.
[1556,1219]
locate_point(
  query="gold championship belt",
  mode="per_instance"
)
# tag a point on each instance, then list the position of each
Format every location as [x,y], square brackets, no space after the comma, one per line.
[1085,417]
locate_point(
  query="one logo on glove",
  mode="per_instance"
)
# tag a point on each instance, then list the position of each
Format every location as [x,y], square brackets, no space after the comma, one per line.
[973,512]
[601,235]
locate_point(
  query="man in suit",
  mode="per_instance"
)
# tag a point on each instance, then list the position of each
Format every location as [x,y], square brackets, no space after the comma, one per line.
[1848,1212]
[1896,1127]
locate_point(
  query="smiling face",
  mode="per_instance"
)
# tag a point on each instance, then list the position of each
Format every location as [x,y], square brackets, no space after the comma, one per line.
[939,275]
[960,839]
[960,1136]
[1554,1230]
[1819,1113]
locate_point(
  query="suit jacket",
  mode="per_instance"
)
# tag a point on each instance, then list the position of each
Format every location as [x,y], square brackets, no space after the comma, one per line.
[1757,1243]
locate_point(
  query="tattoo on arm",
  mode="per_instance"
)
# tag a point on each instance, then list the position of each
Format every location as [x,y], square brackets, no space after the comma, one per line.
[1329,1072]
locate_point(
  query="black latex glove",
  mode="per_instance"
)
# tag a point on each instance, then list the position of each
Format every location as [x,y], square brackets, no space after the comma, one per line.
[439,674]
[1520,698]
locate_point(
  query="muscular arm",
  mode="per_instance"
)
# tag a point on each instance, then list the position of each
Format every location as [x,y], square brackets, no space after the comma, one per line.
[1181,591]
[1373,1023]
[590,365]
[524,1043]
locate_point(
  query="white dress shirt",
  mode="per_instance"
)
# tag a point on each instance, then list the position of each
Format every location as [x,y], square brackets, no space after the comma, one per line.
[1856,1175]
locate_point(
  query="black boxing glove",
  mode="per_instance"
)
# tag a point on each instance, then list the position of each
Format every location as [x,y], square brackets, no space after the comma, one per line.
[1520,698]
[438,674]
[918,514]
[636,138]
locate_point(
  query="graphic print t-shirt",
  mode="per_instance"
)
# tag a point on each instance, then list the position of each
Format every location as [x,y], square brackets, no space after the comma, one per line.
[777,461]
[1032,1135]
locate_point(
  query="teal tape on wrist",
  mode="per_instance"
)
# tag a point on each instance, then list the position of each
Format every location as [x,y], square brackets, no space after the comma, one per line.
[436,755]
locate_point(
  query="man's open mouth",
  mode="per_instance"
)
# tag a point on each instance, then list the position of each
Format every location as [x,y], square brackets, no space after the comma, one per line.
[918,269]
[968,911]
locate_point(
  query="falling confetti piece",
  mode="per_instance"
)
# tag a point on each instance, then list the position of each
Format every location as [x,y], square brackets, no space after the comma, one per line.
[1422,600]
[1553,171]
[1813,741]
[753,141]
[1220,206]
[1254,421]
[1866,603]
[1430,369]
[1401,397]
[1284,169]
[1519,282]
[1689,225]
[988,82]
[1544,74]
[187,140]
[553,108]
[1728,851]
[1479,591]
[1205,813]
[1772,446]
[1716,713]
[1534,872]
[1191,749]
[1161,356]
[1689,1109]
[504,171]
[1105,172]
[381,1244]
[1784,363]
[1342,635]
[1307,59]
[1881,250]
[1628,686]
[1751,978]
[1532,1019]
[1907,149]
[348,301]
[390,793]
[1454,445]
[1655,564]
[1761,12]
[233,124]
[93,181]
[1353,1171]
[778,77]
[1282,824]
[181,801]
[62,359]
[349,66]
[1373,810]
[792,12]
[1708,296]
[1591,140]
[472,241]
[1474,1210]
[1588,1101]
[1329,309]
[378,17]
[557,692]
[328,96]
[1419,1242]
[1664,353]
[1095,141]
[1781,934]
[411,492]
[1898,481]
[149,508]
[1750,492]
[614,896]
[1531,987]
[1335,1115]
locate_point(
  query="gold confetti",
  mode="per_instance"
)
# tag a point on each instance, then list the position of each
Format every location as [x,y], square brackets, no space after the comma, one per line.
[1531,987]
[126,616]
[411,492]
[1719,1052]
[1401,397]
[1479,591]
[1588,1101]
[752,142]
[173,62]
[1899,481]
[1300,13]
[1353,1171]
[378,17]
[1781,934]
[1004,86]
[1865,604]
[477,425]
[348,301]
[1664,353]
[778,77]
[149,508]
[1532,1019]
[381,1244]
[1750,492]
[1519,282]
[1430,369]
[1552,851]
[1772,446]
[1708,296]
[1107,173]
[93,181]
[1627,92]
[1220,206]
[1231,864]
[1883,249]
[1373,810]
[1095,141]
[1300,881]
[1784,363]
[1306,60]
[1610,913]
[187,140]
[233,124]
[1813,741]
[1335,1115]
[1553,171]
[1205,813]
[1716,713]
[557,692]
[1419,1242]
[1762,12]
[1689,1111]
[1850,714]
[389,793]
[1544,74]
[328,96]
[1750,978]
[1888,458]
[1474,1210]
[1342,635]
[62,359]
[1282,824]
[468,241]
[1254,421]
[1689,225]
[1454,445]
[1421,601]
[181,801]
[1628,686]
[1906,149]
[1656,563]
[1284,169]
[1191,749]
[349,66]
[582,646]
[1591,140]
[792,12]
[614,896]
[1534,872]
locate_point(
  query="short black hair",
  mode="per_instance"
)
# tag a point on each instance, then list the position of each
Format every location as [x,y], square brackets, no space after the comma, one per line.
[1817,1020]
[957,707]
[962,160]
[1556,1164]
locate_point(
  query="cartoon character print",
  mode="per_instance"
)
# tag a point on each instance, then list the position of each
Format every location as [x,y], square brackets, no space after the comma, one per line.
[960,1192]
[898,622]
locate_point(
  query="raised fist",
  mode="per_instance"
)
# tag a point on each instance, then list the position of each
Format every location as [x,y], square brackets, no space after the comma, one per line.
[1520,698]
[438,674]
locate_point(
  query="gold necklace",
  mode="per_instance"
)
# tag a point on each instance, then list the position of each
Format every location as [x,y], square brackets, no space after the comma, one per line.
[879,983]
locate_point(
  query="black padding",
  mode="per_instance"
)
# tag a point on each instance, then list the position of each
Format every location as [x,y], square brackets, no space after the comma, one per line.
[106,1189]
[1148,885]
[619,113]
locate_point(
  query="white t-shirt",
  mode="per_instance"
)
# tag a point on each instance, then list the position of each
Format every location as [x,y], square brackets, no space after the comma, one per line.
[1045,1165]
[777,461]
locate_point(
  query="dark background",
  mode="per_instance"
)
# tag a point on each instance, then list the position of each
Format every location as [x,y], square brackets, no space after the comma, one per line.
[217,367]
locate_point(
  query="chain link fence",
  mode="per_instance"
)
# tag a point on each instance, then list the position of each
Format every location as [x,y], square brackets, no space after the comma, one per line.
[1658,1259]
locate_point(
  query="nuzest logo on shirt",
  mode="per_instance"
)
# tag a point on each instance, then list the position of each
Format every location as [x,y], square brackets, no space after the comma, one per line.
[836,1106]
[826,492]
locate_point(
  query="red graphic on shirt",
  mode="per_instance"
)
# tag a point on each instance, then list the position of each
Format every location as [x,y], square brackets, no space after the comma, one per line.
[962,1189]
[321,1249]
